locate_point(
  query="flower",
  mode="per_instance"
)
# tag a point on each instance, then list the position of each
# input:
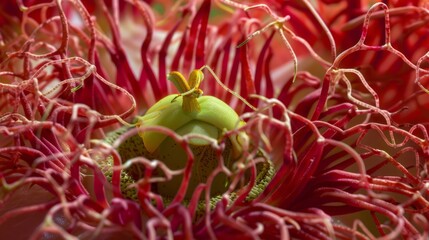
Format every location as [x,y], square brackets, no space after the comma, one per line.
[336,145]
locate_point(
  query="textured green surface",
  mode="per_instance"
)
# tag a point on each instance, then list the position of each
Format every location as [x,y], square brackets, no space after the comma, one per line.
[134,147]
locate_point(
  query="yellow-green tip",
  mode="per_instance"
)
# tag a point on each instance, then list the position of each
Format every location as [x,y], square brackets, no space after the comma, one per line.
[189,89]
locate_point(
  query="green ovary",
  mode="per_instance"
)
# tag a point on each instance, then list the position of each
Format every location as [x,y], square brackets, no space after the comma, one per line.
[201,128]
[170,114]
[214,119]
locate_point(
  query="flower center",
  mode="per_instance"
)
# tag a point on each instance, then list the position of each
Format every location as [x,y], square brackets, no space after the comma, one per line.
[203,121]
